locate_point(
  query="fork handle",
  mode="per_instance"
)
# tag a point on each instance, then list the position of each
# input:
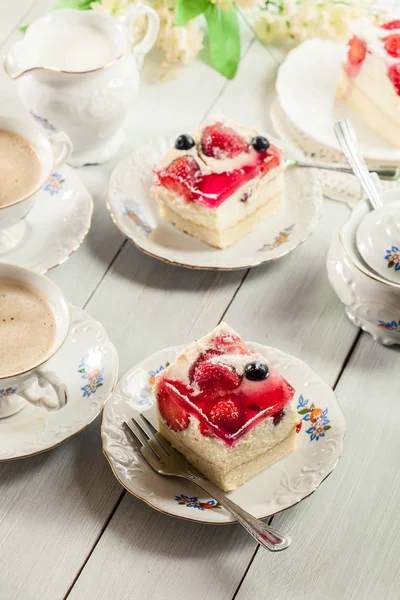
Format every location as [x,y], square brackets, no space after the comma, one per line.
[268,537]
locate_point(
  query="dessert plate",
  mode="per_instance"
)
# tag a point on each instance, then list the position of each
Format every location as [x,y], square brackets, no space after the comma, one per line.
[284,484]
[135,212]
[306,87]
[55,227]
[342,187]
[88,364]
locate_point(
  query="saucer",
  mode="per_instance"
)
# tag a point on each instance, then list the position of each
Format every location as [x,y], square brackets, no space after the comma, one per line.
[135,213]
[306,87]
[343,187]
[55,227]
[284,484]
[88,364]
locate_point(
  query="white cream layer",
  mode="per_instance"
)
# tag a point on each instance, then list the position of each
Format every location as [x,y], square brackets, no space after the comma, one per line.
[259,189]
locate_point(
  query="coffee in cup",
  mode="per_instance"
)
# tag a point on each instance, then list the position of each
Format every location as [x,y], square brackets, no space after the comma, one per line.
[27,327]
[20,168]
[34,324]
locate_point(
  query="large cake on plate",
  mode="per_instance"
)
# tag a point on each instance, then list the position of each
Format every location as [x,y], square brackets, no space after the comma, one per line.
[218,183]
[370,79]
[226,409]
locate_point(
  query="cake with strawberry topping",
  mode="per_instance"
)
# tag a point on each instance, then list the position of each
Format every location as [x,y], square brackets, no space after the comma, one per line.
[370,81]
[225,408]
[219,182]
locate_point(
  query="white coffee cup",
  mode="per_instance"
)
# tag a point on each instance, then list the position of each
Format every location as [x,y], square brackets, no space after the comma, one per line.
[34,384]
[52,152]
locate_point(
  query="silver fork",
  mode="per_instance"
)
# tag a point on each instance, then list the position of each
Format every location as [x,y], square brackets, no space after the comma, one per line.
[165,460]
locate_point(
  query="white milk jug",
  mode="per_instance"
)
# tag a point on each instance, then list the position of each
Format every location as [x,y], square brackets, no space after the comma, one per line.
[77,72]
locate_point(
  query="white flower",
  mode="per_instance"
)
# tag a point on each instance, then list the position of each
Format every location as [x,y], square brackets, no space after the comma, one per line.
[112,7]
[180,45]
[298,20]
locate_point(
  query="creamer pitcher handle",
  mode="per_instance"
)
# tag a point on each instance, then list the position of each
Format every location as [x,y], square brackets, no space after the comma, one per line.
[45,380]
[61,147]
[153,27]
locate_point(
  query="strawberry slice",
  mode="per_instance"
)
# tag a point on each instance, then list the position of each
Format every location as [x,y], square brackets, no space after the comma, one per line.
[394,76]
[392,45]
[212,378]
[171,409]
[357,50]
[391,25]
[227,413]
[229,344]
[181,177]
[200,359]
[220,141]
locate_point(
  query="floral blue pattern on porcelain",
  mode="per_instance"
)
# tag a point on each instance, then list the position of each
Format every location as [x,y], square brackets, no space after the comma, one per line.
[92,374]
[54,184]
[132,210]
[43,122]
[280,239]
[390,325]
[194,502]
[5,392]
[317,417]
[146,396]
[393,258]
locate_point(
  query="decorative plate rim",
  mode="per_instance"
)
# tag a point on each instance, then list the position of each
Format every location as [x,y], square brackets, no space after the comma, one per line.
[317,204]
[230,521]
[43,268]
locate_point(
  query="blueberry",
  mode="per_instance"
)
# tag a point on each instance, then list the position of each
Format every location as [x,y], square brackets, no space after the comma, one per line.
[184,142]
[256,371]
[260,143]
[277,417]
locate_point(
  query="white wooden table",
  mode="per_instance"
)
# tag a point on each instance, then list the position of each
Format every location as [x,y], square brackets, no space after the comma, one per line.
[69,530]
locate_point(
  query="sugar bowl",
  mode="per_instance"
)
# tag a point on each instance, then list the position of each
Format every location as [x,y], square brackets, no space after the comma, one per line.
[371,301]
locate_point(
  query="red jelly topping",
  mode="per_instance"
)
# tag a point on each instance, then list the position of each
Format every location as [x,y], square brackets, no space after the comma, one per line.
[226,405]
[182,177]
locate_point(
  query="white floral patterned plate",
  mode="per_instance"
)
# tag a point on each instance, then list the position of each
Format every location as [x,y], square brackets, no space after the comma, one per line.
[306,86]
[135,213]
[342,187]
[57,224]
[88,364]
[318,447]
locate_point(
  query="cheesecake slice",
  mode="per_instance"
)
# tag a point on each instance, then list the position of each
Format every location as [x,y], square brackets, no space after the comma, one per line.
[370,79]
[226,409]
[220,182]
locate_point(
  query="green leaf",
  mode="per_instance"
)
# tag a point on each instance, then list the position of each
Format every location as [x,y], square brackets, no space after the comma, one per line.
[327,427]
[186,10]
[23,28]
[223,39]
[312,406]
[304,411]
[390,265]
[77,4]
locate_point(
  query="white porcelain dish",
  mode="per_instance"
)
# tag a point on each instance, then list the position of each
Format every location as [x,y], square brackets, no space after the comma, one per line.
[318,445]
[88,363]
[371,301]
[135,212]
[55,227]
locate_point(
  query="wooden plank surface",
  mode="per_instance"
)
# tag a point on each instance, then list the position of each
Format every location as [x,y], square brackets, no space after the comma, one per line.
[313,317]
[346,536]
[62,529]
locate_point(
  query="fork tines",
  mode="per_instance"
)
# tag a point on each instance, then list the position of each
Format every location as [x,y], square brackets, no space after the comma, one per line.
[147,437]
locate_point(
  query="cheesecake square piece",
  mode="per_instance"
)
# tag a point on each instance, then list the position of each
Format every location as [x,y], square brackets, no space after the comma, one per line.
[218,183]
[226,409]
[370,79]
